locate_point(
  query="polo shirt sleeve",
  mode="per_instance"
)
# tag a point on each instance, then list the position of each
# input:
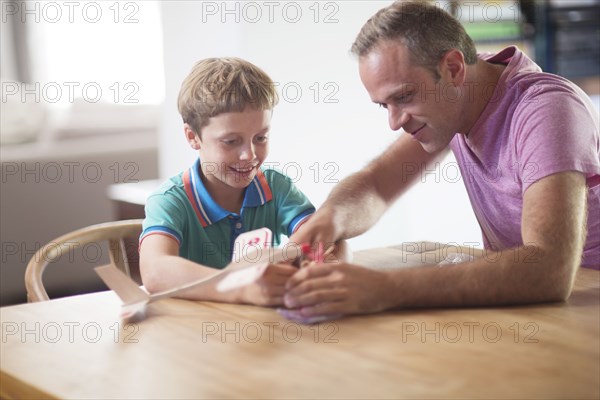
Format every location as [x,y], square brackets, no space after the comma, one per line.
[164,216]
[293,207]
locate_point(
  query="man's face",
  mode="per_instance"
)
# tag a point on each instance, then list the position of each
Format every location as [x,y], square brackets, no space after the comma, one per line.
[425,109]
[232,147]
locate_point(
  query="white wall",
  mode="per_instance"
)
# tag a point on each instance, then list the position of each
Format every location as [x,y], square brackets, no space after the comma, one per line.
[340,133]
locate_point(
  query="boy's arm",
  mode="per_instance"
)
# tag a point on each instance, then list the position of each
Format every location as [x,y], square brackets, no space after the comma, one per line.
[162,268]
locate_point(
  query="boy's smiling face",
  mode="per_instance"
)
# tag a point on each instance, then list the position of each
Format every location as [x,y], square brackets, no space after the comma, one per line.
[231,147]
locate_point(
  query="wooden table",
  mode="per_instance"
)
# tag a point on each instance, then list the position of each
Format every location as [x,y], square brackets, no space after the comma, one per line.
[78,348]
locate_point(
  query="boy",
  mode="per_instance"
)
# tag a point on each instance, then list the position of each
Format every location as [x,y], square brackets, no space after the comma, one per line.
[193,219]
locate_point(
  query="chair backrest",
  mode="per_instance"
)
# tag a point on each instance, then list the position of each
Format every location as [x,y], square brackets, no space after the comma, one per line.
[112,232]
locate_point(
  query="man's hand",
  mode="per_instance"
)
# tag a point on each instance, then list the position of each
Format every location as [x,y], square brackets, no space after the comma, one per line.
[320,228]
[338,288]
[269,289]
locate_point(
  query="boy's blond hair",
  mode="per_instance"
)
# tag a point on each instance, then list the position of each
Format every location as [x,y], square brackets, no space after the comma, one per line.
[220,85]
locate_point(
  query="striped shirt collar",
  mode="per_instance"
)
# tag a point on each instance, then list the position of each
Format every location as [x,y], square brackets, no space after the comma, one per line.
[207,210]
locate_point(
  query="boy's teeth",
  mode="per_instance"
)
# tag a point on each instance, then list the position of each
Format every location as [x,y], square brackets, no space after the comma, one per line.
[243,170]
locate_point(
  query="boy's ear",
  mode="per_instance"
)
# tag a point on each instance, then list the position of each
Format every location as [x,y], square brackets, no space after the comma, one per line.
[192,138]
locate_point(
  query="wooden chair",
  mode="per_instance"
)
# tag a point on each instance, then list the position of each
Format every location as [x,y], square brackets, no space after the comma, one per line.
[113,232]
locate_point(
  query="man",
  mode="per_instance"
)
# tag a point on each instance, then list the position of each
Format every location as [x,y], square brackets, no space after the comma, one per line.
[528,147]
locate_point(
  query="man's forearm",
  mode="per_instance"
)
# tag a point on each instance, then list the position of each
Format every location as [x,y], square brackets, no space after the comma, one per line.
[514,276]
[360,200]
[355,206]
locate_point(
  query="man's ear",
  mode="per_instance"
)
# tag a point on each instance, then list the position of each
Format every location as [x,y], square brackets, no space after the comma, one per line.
[452,66]
[191,136]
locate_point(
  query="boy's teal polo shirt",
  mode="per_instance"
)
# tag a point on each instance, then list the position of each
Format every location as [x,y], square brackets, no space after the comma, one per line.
[183,209]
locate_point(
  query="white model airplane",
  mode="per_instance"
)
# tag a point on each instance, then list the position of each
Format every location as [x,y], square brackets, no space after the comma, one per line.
[250,260]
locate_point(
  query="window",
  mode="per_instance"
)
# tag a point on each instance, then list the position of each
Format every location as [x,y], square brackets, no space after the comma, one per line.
[94,66]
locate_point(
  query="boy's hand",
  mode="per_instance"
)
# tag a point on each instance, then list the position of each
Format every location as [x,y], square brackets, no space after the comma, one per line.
[269,289]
